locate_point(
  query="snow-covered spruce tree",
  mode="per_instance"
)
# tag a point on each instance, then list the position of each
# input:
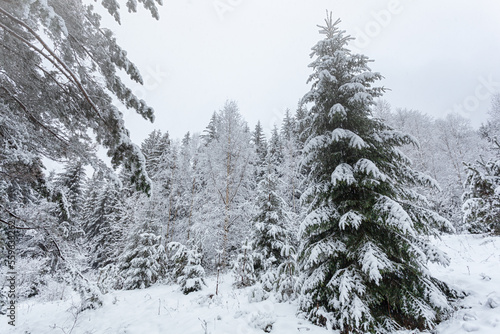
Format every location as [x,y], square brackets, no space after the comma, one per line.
[243,266]
[103,214]
[143,261]
[187,269]
[482,196]
[291,185]
[269,234]
[156,149]
[191,185]
[287,275]
[364,253]
[260,144]
[72,181]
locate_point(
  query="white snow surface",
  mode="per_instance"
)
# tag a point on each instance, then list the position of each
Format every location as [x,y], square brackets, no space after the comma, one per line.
[474,268]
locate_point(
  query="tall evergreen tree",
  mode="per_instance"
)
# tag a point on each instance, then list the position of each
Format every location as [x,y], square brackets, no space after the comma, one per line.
[275,151]
[364,255]
[73,179]
[260,145]
[210,133]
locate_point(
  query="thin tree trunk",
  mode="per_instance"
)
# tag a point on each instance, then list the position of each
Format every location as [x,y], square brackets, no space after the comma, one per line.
[191,209]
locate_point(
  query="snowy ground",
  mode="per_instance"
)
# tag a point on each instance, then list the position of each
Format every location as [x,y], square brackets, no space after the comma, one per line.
[163,309]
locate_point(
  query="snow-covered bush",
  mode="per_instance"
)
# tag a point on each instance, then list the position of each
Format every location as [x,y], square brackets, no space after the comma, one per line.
[110,278]
[32,277]
[257,293]
[90,296]
[269,277]
[263,321]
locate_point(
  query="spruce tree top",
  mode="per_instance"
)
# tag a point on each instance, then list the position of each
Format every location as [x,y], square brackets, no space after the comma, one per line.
[342,81]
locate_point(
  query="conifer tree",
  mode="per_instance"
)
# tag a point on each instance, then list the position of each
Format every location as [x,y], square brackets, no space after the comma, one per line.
[482,197]
[155,149]
[104,211]
[72,180]
[243,266]
[143,261]
[364,254]
[288,126]
[68,194]
[270,222]
[275,148]
[210,133]
[60,74]
[187,269]
[259,142]
[260,145]
[287,274]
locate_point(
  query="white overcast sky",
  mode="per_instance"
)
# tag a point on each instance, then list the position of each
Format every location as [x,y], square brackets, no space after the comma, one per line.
[436,56]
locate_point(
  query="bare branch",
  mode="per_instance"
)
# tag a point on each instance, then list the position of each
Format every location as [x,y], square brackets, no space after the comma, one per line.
[16,227]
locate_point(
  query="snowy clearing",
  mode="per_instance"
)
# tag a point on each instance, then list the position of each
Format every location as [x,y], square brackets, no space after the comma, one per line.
[475,260]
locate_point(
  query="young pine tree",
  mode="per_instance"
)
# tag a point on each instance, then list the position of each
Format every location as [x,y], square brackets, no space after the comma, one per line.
[143,261]
[243,266]
[481,205]
[287,275]
[482,196]
[270,233]
[187,269]
[364,253]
